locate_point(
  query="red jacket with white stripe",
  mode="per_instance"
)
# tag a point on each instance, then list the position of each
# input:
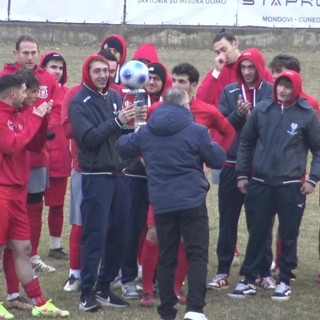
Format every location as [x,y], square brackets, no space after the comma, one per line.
[49,89]
[19,132]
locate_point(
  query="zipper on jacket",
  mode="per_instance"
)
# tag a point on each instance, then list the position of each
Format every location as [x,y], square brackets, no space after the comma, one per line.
[275,136]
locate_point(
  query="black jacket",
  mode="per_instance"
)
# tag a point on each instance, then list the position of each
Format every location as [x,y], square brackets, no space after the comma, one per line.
[228,107]
[93,121]
[274,143]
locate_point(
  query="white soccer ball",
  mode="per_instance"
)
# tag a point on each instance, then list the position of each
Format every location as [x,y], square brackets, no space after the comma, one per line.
[134,74]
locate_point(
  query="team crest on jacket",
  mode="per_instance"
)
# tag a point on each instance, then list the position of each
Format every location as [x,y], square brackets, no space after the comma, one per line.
[43,92]
[10,125]
[293,129]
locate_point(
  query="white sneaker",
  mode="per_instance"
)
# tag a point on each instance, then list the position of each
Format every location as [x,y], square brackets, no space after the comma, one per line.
[191,315]
[130,291]
[235,261]
[266,283]
[282,292]
[72,284]
[273,267]
[243,289]
[219,281]
[116,283]
[39,265]
[139,273]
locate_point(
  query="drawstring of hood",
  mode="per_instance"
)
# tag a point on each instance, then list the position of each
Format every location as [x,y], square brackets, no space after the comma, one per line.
[150,102]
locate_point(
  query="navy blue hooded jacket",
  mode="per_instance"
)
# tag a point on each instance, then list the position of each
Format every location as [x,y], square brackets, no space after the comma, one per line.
[174,149]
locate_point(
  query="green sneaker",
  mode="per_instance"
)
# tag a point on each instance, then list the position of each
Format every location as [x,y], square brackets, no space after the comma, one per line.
[49,310]
[4,313]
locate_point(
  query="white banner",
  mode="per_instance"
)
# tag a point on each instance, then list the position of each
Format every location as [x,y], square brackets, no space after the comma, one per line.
[182,12]
[279,13]
[4,10]
[96,11]
[257,13]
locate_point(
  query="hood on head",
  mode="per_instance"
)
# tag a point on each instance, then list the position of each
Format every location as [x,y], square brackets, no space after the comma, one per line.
[168,119]
[256,57]
[86,79]
[148,52]
[45,58]
[296,81]
[116,41]
[160,70]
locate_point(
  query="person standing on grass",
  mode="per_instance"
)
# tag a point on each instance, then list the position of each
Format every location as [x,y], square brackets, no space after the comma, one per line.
[14,299]
[59,162]
[27,54]
[97,118]
[279,64]
[159,82]
[185,76]
[73,282]
[20,131]
[177,192]
[237,102]
[273,150]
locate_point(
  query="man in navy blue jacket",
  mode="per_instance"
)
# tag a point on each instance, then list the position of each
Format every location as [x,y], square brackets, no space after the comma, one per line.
[174,149]
[97,121]
[273,150]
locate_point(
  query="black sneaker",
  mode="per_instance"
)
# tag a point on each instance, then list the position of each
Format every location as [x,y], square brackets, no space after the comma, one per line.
[107,298]
[242,290]
[58,254]
[89,303]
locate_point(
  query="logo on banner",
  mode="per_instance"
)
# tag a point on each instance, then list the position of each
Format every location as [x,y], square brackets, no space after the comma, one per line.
[278,2]
[43,92]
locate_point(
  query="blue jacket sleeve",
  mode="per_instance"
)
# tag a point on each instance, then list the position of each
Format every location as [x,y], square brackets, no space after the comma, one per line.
[313,140]
[129,145]
[211,152]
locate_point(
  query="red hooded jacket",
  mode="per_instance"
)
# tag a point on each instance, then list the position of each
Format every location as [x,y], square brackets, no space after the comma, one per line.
[67,127]
[256,58]
[49,89]
[147,52]
[122,48]
[58,147]
[167,83]
[296,81]
[65,121]
[19,131]
[211,88]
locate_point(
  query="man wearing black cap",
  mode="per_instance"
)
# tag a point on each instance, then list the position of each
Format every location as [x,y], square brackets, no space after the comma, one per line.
[137,181]
[26,53]
[118,46]
[158,82]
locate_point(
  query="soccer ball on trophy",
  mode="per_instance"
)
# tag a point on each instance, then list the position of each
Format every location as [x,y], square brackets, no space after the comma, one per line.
[134,74]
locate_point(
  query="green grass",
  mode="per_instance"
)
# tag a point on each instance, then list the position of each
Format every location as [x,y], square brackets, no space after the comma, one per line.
[304,303]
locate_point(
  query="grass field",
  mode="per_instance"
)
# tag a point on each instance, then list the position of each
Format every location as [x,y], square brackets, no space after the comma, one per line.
[305,300]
